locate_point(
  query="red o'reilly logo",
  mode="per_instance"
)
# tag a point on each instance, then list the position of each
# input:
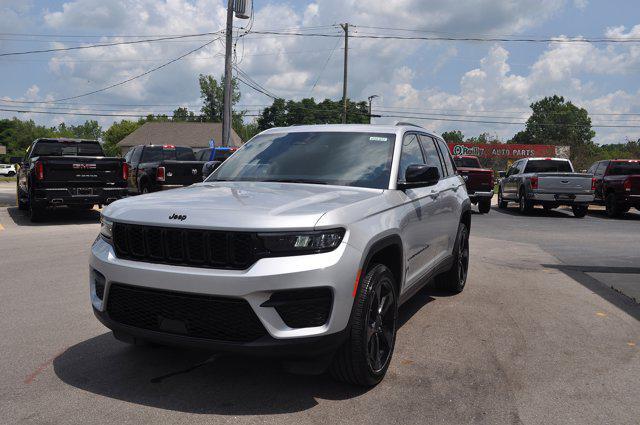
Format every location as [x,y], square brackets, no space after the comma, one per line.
[180,217]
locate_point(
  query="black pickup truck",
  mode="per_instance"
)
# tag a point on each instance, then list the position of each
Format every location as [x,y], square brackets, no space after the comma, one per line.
[71,172]
[153,168]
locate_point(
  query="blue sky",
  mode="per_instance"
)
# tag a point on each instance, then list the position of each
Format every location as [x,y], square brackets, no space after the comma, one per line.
[468,80]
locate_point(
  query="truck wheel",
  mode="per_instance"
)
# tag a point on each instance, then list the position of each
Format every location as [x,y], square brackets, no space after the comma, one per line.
[454,279]
[144,189]
[502,204]
[611,205]
[22,206]
[35,211]
[524,206]
[580,211]
[364,357]
[484,206]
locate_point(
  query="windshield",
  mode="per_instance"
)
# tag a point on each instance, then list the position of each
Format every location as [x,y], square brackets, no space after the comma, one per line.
[165,153]
[466,162]
[56,148]
[626,168]
[548,166]
[346,159]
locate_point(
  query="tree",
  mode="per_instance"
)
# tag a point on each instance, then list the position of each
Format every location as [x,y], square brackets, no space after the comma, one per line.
[555,121]
[307,111]
[212,95]
[454,136]
[484,138]
[116,133]
[183,114]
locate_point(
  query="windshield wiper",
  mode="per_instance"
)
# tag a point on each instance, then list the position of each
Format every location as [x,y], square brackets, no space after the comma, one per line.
[308,181]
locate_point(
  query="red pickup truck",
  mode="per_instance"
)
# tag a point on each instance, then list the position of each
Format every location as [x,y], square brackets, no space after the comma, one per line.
[617,184]
[479,181]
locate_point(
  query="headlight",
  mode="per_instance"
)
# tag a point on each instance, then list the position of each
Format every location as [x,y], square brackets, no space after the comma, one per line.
[302,242]
[106,228]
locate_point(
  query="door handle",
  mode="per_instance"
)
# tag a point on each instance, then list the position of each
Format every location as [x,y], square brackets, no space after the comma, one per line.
[434,194]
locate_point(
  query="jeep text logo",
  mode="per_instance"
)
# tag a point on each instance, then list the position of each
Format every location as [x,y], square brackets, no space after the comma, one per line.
[180,217]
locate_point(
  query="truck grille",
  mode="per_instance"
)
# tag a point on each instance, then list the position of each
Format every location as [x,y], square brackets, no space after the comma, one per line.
[197,248]
[199,316]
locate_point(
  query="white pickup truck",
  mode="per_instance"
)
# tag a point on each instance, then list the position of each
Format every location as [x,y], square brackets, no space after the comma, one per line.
[549,182]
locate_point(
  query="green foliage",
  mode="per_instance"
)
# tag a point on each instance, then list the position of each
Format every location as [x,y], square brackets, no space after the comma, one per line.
[484,138]
[454,136]
[306,111]
[116,133]
[212,95]
[183,114]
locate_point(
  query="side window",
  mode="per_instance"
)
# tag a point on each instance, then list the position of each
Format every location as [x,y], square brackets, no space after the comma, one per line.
[592,169]
[446,157]
[411,154]
[127,157]
[602,167]
[514,168]
[135,157]
[431,154]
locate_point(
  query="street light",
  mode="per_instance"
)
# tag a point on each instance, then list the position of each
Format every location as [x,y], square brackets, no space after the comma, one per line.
[370,99]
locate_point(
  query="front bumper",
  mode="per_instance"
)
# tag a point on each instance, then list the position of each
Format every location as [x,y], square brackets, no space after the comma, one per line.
[79,195]
[561,198]
[336,270]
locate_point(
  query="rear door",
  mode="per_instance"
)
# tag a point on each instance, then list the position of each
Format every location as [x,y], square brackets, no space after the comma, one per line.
[598,172]
[134,162]
[511,181]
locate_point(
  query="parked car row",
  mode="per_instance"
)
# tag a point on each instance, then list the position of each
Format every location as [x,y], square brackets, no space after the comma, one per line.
[552,182]
[75,173]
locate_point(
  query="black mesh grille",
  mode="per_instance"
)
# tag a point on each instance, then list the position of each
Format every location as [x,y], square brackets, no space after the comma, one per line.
[199,316]
[302,308]
[199,248]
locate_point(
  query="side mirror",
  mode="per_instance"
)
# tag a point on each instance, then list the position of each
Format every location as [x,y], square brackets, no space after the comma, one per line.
[420,175]
[15,160]
[502,174]
[209,167]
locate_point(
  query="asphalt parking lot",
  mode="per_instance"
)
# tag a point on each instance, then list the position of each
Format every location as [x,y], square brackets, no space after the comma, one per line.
[538,336]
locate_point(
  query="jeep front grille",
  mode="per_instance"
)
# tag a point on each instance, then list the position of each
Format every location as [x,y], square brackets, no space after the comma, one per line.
[196,248]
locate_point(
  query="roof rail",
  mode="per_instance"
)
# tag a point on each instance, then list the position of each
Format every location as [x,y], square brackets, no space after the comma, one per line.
[399,123]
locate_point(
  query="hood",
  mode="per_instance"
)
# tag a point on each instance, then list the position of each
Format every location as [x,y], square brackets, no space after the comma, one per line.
[238,205]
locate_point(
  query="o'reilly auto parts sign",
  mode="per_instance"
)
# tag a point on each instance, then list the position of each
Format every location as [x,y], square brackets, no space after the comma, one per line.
[503,150]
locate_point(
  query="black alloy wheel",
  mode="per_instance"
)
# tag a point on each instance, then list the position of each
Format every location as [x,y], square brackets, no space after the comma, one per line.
[364,357]
[455,279]
[381,323]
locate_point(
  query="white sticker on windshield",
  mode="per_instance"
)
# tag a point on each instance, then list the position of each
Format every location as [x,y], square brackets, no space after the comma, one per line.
[377,139]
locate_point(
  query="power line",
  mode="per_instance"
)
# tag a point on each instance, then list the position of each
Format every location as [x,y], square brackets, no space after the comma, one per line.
[149,40]
[324,66]
[442,38]
[506,122]
[24,111]
[124,81]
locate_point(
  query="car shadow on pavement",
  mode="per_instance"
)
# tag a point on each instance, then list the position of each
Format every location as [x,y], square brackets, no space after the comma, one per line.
[536,212]
[201,382]
[57,216]
[630,216]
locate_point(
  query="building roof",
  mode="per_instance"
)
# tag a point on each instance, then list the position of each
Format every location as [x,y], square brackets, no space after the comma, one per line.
[192,134]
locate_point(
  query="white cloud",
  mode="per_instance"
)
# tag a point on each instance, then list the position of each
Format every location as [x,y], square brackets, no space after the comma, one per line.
[392,69]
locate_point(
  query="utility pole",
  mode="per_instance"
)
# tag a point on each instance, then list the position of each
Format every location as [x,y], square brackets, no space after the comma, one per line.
[370,99]
[345,27]
[228,83]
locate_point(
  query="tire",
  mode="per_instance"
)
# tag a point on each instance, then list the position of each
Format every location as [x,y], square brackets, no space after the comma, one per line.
[144,189]
[612,207]
[502,203]
[22,206]
[455,279]
[11,173]
[579,211]
[365,356]
[484,206]
[35,212]
[524,206]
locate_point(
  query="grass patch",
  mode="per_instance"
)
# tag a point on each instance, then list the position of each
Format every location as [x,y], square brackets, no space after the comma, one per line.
[7,179]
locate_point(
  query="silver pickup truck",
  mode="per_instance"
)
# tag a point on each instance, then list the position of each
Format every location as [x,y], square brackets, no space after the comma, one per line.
[549,182]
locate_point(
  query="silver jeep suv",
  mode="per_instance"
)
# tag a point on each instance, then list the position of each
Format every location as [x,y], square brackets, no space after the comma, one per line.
[301,245]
